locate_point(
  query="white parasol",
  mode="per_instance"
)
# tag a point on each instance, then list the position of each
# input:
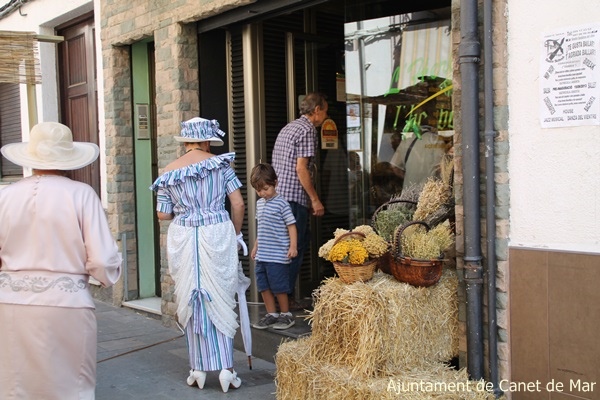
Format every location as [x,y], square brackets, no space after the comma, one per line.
[243,284]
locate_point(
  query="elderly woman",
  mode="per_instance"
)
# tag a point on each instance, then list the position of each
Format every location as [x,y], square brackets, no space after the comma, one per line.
[202,247]
[53,236]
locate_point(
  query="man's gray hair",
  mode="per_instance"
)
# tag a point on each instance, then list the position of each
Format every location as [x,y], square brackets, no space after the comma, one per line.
[311,101]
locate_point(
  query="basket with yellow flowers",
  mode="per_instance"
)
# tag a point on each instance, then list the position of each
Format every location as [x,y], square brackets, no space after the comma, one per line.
[354,253]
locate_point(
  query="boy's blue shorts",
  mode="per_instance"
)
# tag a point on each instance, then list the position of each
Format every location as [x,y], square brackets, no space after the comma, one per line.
[274,276]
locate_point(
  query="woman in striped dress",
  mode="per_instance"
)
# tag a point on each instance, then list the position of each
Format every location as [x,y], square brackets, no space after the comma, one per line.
[202,247]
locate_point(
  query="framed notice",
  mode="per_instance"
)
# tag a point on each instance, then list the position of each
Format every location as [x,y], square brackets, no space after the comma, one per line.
[353,139]
[570,77]
[353,115]
[142,121]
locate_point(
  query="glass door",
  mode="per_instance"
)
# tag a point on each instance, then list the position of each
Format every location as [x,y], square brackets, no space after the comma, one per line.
[313,62]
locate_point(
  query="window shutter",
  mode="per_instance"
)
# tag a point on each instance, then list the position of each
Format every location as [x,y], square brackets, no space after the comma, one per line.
[10,125]
[238,128]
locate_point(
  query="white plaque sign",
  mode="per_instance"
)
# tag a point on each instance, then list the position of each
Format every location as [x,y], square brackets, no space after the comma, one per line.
[570,77]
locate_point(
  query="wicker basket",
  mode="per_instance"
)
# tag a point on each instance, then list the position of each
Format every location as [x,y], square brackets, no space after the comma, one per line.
[350,273]
[383,263]
[416,272]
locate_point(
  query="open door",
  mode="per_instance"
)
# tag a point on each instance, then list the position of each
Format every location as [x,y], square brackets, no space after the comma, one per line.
[146,169]
[77,72]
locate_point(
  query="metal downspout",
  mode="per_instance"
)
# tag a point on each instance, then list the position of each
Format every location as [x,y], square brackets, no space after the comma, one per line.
[469,57]
[490,193]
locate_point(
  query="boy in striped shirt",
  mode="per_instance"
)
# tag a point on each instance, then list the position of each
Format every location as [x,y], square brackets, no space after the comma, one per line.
[275,246]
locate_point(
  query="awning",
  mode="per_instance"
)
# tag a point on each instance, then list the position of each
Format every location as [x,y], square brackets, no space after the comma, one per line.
[426,52]
[19,58]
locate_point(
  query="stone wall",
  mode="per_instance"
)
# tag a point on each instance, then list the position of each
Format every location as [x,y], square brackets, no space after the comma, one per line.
[126,22]
[119,155]
[171,24]
[501,150]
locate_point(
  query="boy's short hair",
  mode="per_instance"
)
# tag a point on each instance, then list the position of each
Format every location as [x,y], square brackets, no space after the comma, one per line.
[263,174]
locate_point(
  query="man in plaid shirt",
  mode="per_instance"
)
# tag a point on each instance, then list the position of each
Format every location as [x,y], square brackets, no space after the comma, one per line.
[293,160]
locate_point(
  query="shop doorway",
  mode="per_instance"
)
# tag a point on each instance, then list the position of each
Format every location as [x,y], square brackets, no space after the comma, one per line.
[336,48]
[303,53]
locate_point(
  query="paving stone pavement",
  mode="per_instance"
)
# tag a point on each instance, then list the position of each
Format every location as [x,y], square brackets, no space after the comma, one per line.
[140,359]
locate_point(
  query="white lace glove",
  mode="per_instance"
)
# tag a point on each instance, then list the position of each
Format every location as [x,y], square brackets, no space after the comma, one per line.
[242,244]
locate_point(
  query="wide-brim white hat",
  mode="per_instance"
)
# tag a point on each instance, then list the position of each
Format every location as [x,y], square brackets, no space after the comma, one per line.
[51,146]
[201,130]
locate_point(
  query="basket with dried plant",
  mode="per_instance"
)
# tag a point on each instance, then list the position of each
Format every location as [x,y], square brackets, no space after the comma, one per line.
[386,219]
[417,252]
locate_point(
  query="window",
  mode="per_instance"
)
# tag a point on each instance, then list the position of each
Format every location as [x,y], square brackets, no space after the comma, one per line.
[398,85]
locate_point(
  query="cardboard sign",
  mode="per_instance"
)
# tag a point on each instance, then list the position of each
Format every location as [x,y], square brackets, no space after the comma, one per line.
[329,135]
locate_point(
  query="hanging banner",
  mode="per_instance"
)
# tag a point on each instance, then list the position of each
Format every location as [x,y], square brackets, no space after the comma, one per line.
[570,77]
[329,135]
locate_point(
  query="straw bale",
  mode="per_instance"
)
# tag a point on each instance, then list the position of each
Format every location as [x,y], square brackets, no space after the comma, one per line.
[293,369]
[302,376]
[437,381]
[384,325]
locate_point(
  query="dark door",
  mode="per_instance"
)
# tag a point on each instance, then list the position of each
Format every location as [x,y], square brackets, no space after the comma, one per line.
[308,60]
[77,72]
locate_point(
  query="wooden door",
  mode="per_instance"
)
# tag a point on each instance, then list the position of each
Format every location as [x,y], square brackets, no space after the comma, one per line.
[77,74]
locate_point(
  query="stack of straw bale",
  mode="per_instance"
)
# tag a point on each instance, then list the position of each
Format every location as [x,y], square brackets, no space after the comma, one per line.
[371,340]
[301,376]
[383,325]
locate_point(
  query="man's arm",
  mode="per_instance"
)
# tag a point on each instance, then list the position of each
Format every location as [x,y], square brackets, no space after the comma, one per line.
[306,182]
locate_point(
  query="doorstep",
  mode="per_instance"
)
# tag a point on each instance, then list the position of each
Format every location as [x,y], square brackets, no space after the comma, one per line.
[151,305]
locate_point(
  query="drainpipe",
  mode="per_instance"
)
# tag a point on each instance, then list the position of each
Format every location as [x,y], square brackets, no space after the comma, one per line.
[469,53]
[490,194]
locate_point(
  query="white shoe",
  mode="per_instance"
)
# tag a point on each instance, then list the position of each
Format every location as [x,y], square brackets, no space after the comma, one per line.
[228,378]
[196,377]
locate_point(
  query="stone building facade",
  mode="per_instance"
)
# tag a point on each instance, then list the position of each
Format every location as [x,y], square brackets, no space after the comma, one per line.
[546,252]
[173,29]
